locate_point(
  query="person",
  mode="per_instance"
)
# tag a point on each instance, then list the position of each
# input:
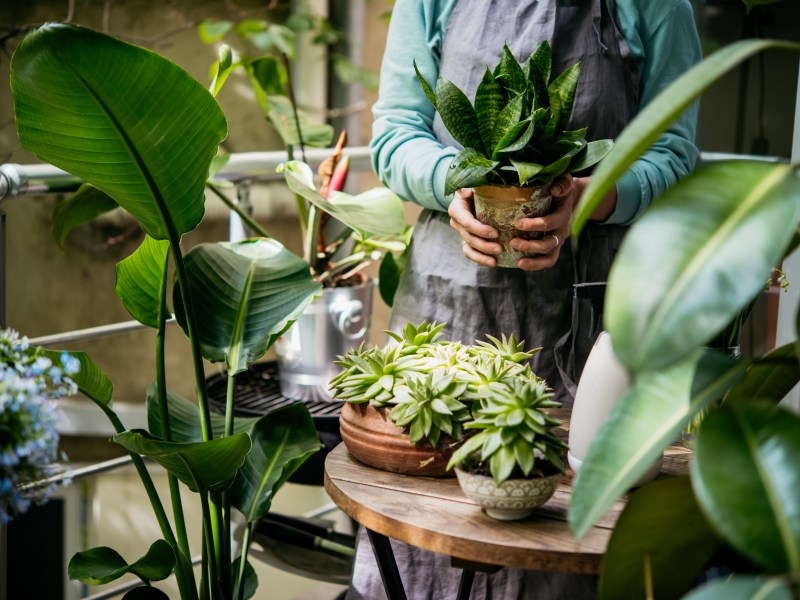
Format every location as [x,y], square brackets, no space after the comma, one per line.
[629,51]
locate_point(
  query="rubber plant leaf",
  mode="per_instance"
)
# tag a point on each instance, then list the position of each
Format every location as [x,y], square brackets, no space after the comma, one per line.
[747,480]
[100,565]
[645,421]
[141,279]
[468,169]
[659,114]
[509,74]
[376,212]
[771,377]
[458,115]
[489,102]
[202,466]
[743,587]
[698,256]
[663,532]
[592,154]
[563,89]
[91,381]
[154,129]
[283,440]
[253,291]
[184,421]
[83,206]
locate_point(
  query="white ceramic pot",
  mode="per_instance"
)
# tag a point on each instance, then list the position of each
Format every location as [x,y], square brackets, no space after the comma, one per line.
[511,500]
[603,383]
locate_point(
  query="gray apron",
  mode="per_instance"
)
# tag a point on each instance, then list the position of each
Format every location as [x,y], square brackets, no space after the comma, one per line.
[538,307]
[440,284]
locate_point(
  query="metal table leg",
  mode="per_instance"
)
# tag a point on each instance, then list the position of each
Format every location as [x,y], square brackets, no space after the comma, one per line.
[465,585]
[387,566]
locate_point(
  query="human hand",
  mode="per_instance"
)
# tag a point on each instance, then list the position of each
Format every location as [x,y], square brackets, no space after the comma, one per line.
[476,237]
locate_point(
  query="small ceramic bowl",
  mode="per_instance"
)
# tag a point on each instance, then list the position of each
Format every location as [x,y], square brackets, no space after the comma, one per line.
[511,500]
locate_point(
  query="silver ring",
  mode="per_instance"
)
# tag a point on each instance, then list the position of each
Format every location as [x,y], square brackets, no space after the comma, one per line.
[555,237]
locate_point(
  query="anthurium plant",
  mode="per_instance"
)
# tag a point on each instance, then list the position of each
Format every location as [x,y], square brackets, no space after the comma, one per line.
[143,132]
[514,133]
[695,261]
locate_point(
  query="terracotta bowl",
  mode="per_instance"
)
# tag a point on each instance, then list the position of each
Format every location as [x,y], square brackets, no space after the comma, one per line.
[372,438]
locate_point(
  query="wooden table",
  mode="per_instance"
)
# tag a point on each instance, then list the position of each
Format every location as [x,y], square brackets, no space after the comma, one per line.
[434,514]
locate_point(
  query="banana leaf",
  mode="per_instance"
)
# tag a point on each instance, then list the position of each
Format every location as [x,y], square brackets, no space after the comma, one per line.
[141,279]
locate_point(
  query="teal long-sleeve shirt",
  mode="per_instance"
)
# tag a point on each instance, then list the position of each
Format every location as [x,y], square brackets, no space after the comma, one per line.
[408,158]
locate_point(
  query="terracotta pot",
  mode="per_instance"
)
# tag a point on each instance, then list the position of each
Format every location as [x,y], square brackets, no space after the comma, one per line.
[501,206]
[372,438]
[511,500]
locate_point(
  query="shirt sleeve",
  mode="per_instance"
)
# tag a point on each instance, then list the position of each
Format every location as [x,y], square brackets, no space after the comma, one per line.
[405,154]
[669,50]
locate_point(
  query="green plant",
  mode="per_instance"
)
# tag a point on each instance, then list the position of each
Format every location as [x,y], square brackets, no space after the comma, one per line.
[141,130]
[514,134]
[695,260]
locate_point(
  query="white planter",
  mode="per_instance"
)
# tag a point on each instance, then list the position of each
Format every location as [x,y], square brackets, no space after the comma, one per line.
[511,500]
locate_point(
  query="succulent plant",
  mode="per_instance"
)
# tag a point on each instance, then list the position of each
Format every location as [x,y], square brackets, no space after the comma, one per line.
[515,132]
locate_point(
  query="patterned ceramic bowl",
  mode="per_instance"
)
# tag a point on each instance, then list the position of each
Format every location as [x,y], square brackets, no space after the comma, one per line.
[511,500]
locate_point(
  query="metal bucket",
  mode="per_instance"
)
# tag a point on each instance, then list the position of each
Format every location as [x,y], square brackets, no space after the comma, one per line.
[332,325]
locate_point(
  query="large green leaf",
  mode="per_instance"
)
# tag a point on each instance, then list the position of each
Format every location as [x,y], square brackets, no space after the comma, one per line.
[102,564]
[468,169]
[141,279]
[743,587]
[202,466]
[83,206]
[458,115]
[646,420]
[124,119]
[282,440]
[252,291]
[489,102]
[91,381]
[747,480]
[376,212]
[699,255]
[562,92]
[661,533]
[389,276]
[771,377]
[659,114]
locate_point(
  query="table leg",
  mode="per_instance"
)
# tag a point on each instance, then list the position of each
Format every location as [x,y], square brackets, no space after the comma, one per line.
[465,585]
[387,566]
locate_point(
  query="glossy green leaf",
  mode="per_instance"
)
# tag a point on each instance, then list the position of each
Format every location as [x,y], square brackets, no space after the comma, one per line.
[68,81]
[526,171]
[102,564]
[252,290]
[83,206]
[91,381]
[743,587]
[250,579]
[661,532]
[509,74]
[141,279]
[699,255]
[145,592]
[518,143]
[646,420]
[592,154]
[771,377]
[223,69]
[202,466]
[281,115]
[425,87]
[211,31]
[468,169]
[549,173]
[389,273]
[509,124]
[282,441]
[489,102]
[541,63]
[458,115]
[562,92]
[376,212]
[659,114]
[747,480]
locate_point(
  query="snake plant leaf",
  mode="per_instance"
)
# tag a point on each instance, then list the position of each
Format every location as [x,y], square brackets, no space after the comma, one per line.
[184,419]
[426,88]
[468,169]
[645,421]
[663,532]
[281,115]
[520,142]
[563,89]
[592,154]
[509,124]
[141,279]
[769,378]
[283,440]
[659,114]
[489,102]
[376,212]
[458,115]
[253,291]
[145,592]
[743,587]
[101,565]
[747,480]
[541,63]
[701,253]
[223,69]
[83,206]
[509,74]
[202,466]
[91,381]
[122,118]
[526,171]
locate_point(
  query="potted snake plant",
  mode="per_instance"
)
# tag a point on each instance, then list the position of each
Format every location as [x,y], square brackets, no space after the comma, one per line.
[514,138]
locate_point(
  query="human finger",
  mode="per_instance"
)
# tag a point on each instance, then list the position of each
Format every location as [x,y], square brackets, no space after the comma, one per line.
[461,212]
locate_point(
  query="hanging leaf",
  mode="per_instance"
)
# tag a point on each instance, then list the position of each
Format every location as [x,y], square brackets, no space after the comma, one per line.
[141,279]
[489,102]
[252,290]
[743,587]
[747,480]
[91,381]
[102,564]
[68,80]
[389,276]
[83,206]
[458,115]
[661,533]
[468,169]
[771,377]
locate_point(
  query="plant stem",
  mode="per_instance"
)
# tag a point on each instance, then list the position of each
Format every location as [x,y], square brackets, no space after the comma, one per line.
[648,577]
[312,234]
[251,222]
[239,591]
[343,264]
[210,546]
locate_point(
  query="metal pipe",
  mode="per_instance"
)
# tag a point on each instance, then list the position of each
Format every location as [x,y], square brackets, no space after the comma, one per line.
[74,474]
[89,333]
